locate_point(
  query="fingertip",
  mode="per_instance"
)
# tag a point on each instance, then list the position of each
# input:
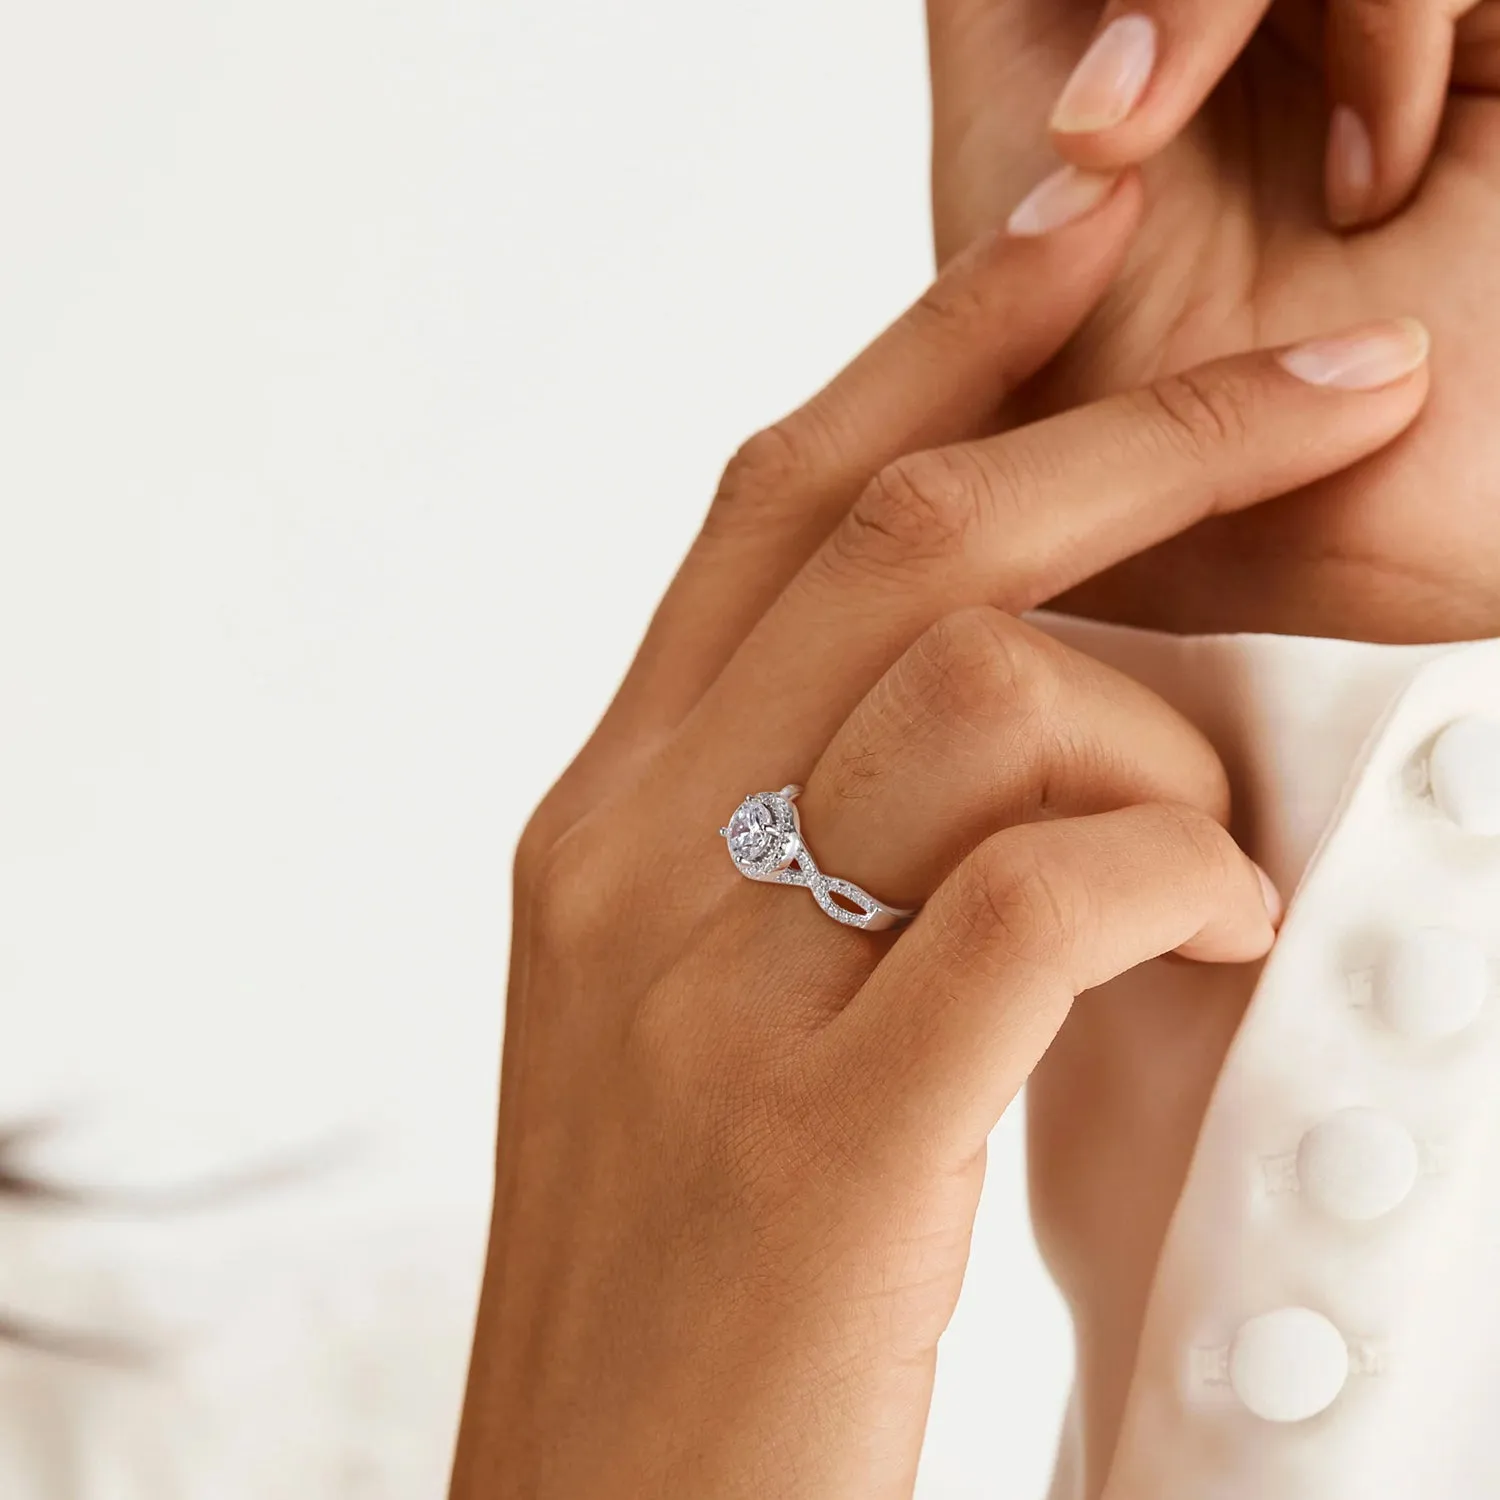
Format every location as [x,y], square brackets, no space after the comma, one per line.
[1371,357]
[1058,200]
[1064,199]
[1144,77]
[1365,182]
[1043,269]
[1244,946]
[1349,168]
[1110,79]
[1275,906]
[1389,83]
[1251,934]
[1377,377]
[1065,239]
[1107,116]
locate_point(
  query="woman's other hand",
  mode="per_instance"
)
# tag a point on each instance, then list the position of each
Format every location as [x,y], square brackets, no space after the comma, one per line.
[1388,64]
[1237,249]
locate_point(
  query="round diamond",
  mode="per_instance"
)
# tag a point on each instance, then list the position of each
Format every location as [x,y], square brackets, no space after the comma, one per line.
[751,832]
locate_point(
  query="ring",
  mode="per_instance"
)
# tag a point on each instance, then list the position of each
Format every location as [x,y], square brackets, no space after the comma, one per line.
[765,843]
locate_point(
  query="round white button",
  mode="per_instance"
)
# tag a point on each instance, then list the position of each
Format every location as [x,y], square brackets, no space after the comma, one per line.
[1433,984]
[1358,1164]
[1288,1365]
[1465,774]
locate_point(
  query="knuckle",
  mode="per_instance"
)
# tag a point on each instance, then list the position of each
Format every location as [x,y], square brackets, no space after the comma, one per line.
[1198,415]
[915,510]
[978,666]
[956,301]
[528,868]
[767,471]
[1187,848]
[573,895]
[536,851]
[1190,834]
[1021,905]
[1200,778]
[859,766]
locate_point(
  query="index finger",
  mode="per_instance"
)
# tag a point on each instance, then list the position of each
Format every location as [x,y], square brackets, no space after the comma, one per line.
[1017,520]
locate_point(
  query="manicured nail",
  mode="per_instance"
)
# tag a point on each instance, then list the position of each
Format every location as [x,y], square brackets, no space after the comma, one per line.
[1363,360]
[1110,80]
[1275,906]
[1066,195]
[1350,167]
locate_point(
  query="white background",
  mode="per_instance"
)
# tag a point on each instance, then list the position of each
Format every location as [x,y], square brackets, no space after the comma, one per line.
[366,368]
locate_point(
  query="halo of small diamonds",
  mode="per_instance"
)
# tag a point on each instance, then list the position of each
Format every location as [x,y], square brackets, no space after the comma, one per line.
[765,842]
[762,835]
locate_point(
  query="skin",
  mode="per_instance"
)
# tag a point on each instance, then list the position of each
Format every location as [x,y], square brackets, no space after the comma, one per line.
[1236,250]
[1238,246]
[740,1146]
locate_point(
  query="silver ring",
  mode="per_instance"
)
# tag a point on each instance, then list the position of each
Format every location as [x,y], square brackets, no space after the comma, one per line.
[765,842]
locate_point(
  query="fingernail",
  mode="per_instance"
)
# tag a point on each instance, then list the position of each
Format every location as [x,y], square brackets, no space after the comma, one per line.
[1350,167]
[1363,360]
[1066,195]
[1110,80]
[1275,906]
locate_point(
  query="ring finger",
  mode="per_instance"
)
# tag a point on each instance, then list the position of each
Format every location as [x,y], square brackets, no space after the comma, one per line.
[984,723]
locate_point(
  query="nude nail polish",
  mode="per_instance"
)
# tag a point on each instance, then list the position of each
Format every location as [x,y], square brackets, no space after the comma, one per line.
[1363,360]
[1108,83]
[1057,200]
[1350,167]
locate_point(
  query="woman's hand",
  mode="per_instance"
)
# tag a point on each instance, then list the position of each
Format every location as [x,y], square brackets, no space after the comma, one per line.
[1237,249]
[1388,65]
[740,1144]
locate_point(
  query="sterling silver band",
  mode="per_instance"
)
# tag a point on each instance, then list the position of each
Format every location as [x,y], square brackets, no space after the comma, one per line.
[765,842]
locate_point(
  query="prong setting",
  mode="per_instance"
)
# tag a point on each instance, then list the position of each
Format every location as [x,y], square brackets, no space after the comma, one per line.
[765,842]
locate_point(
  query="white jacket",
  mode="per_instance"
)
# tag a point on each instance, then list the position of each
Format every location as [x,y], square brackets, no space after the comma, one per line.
[1277,1215]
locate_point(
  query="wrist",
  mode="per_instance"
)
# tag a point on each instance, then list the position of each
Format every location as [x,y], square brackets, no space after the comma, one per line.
[731,1392]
